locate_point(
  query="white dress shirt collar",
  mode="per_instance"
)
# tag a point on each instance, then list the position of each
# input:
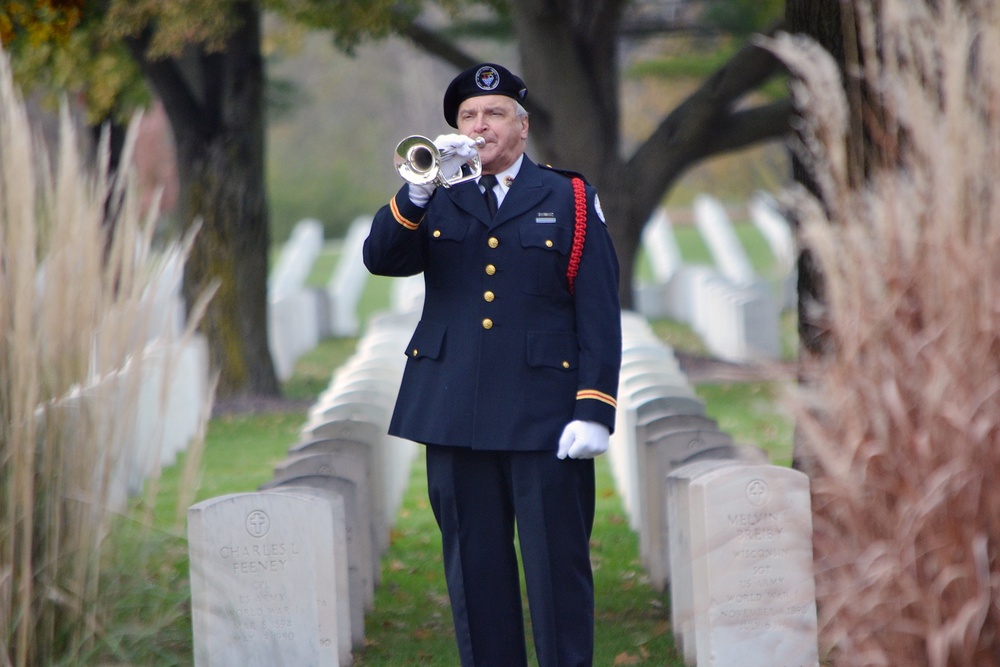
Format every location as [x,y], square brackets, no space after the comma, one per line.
[506,177]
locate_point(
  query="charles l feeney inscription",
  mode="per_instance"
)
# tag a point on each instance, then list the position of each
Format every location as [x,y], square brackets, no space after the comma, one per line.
[260,592]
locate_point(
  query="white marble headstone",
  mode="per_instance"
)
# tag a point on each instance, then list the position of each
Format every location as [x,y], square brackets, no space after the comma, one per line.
[669,442]
[360,564]
[752,568]
[332,574]
[259,581]
[677,546]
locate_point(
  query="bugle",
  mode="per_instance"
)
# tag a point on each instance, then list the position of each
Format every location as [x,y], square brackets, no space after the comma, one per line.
[418,161]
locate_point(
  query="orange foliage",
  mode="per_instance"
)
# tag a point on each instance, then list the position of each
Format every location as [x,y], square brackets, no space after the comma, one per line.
[40,21]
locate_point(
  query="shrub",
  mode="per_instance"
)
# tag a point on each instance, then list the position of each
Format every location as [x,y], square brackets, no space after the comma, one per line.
[900,420]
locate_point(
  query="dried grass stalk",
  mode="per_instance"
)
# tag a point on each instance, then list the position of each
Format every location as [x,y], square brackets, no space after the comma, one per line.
[901,421]
[76,264]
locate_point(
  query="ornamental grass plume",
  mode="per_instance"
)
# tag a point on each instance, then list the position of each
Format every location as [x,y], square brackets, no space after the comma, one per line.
[900,418]
[76,264]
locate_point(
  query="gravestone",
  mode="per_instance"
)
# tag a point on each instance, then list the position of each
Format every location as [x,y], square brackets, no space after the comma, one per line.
[361,585]
[342,410]
[768,219]
[678,549]
[363,437]
[669,442]
[258,595]
[341,458]
[339,591]
[348,281]
[752,568]
[661,247]
[716,229]
[292,307]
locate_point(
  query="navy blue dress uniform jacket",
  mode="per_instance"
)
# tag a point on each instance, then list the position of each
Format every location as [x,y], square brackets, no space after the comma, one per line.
[504,356]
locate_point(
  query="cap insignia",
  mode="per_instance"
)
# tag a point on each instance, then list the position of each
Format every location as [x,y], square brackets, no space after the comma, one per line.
[487,78]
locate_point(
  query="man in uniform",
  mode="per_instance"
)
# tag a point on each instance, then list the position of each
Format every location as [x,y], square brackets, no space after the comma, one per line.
[511,376]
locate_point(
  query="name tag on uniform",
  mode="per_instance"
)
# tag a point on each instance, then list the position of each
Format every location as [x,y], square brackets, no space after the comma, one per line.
[545,218]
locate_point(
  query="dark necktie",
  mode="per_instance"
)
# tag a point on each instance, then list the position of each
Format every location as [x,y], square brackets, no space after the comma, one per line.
[488,181]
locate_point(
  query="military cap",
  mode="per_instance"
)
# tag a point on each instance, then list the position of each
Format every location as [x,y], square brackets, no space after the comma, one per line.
[482,79]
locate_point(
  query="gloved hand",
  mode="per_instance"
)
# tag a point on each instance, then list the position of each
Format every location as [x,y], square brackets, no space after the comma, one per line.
[583,440]
[421,194]
[460,147]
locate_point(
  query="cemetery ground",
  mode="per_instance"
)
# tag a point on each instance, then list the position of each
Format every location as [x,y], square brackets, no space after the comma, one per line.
[410,623]
[147,581]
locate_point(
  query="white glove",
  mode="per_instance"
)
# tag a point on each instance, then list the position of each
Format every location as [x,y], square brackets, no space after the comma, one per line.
[460,147]
[421,194]
[583,440]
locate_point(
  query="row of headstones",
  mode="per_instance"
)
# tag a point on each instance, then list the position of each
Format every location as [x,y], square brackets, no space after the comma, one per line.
[740,579]
[248,608]
[660,425]
[734,310]
[299,316]
[147,409]
[143,415]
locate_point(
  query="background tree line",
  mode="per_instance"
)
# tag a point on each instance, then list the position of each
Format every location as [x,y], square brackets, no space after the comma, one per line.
[203,60]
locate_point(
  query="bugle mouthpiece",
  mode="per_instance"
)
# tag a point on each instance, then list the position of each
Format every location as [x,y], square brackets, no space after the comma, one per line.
[479,142]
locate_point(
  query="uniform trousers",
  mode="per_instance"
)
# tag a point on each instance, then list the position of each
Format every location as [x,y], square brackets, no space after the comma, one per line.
[479,498]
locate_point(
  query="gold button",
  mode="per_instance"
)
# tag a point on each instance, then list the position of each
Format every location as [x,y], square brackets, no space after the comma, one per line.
[414,352]
[490,269]
[487,323]
[489,296]
[548,243]
[493,242]
[437,233]
[565,364]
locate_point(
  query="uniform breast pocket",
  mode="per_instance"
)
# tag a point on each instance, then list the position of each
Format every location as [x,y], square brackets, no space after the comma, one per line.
[547,247]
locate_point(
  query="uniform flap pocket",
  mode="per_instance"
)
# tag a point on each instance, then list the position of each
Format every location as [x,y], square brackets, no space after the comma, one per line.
[427,340]
[448,230]
[546,236]
[552,349]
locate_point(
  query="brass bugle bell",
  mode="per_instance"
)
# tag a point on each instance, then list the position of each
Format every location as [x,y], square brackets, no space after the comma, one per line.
[418,161]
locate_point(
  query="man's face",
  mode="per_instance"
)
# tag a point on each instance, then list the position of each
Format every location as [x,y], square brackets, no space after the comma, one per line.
[494,118]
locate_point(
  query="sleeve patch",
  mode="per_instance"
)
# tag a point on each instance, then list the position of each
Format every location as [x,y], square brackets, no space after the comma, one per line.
[409,224]
[597,396]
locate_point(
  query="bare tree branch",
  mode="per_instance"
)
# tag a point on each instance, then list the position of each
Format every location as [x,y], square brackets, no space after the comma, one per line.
[746,127]
[699,117]
[433,43]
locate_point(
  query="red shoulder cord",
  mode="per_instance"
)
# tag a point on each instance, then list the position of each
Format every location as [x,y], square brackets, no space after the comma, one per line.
[579,231]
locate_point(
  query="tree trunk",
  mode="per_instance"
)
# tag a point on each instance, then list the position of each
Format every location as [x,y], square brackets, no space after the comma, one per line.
[822,21]
[569,57]
[215,103]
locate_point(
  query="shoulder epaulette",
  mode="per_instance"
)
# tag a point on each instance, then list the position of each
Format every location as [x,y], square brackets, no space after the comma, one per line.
[565,172]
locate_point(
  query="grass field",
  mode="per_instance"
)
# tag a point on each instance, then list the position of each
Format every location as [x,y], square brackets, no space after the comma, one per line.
[410,623]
